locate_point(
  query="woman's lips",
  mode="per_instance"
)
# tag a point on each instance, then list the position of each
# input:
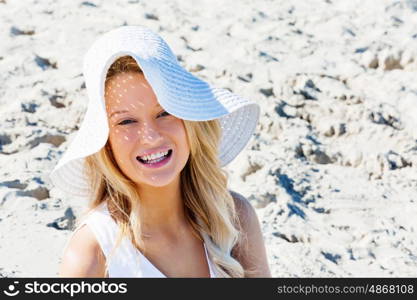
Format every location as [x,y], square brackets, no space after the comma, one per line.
[160,163]
[150,152]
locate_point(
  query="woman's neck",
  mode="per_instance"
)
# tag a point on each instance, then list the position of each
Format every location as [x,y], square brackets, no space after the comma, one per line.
[162,209]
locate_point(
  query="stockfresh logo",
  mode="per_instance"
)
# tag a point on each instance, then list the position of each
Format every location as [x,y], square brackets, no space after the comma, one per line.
[11,290]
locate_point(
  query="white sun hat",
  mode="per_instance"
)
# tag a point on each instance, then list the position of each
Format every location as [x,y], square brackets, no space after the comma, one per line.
[179,92]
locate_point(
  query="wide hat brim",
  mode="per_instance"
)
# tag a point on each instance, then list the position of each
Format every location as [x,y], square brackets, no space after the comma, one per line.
[179,92]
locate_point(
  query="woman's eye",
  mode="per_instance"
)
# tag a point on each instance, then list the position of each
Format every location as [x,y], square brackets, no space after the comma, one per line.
[164,112]
[125,122]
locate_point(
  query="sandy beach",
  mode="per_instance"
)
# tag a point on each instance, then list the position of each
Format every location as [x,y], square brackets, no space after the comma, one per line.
[331,169]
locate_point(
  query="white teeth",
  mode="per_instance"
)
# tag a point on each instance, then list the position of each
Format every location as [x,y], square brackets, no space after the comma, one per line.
[154,156]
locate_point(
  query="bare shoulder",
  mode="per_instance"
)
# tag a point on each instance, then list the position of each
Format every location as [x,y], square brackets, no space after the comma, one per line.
[250,250]
[83,256]
[243,206]
[247,215]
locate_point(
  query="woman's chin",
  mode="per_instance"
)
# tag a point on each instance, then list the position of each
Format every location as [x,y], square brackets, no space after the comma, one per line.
[156,181]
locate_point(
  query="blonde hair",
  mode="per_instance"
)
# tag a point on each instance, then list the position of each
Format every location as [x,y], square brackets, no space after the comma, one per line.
[209,206]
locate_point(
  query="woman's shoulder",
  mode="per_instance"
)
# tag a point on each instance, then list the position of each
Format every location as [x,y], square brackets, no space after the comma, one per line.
[243,207]
[83,256]
[250,251]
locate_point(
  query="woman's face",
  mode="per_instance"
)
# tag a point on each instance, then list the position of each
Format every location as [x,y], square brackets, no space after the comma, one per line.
[139,125]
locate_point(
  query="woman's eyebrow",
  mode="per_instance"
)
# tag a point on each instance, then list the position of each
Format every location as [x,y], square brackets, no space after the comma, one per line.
[125,111]
[118,112]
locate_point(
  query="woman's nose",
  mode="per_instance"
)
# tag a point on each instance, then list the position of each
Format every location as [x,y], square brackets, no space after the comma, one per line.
[148,133]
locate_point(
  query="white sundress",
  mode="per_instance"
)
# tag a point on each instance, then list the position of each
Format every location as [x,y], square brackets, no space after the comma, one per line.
[126,261]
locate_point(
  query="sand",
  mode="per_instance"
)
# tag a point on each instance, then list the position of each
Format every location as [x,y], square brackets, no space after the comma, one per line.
[331,169]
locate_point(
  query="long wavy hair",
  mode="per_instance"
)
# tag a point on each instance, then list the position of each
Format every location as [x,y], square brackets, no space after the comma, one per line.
[209,205]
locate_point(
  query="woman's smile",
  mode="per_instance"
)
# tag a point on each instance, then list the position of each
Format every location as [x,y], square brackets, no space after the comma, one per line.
[157,162]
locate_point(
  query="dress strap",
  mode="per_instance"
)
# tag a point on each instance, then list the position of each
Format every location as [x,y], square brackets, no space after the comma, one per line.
[211,269]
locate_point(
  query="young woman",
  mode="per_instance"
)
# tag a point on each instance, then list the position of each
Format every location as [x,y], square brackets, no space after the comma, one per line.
[148,158]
